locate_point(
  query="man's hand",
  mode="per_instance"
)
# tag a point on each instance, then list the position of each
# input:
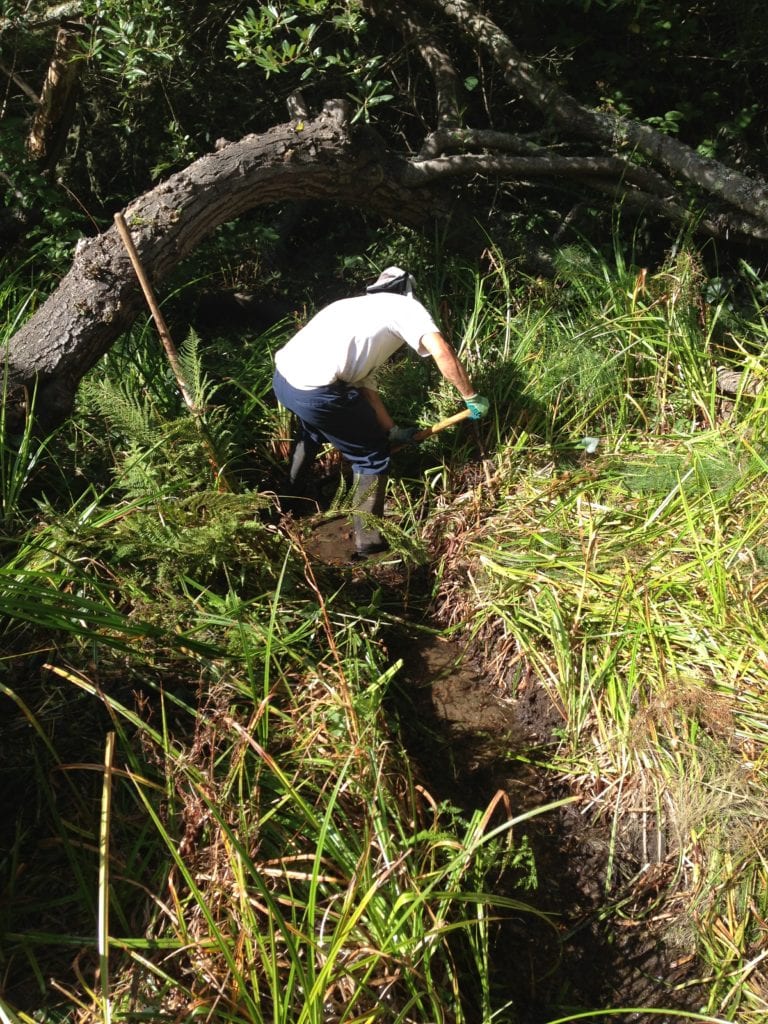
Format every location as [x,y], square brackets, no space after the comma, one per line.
[403,435]
[478,406]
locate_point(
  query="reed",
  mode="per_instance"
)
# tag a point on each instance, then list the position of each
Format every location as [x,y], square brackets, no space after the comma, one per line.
[629,579]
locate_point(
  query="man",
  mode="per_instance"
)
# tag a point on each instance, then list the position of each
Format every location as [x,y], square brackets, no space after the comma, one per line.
[326,375]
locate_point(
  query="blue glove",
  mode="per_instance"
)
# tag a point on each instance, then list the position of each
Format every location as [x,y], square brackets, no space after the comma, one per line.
[402,435]
[477,405]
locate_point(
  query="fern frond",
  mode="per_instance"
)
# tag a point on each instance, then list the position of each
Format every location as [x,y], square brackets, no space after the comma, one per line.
[199,385]
[200,537]
[128,411]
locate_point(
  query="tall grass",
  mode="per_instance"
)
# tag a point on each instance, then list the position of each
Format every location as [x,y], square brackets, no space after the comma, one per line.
[255,846]
[252,846]
[19,452]
[629,576]
[294,868]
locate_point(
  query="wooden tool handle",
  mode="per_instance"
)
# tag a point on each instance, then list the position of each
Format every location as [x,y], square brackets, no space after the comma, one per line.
[442,424]
[162,327]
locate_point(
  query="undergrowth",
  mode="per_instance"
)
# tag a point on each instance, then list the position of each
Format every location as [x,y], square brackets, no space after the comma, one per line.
[194,742]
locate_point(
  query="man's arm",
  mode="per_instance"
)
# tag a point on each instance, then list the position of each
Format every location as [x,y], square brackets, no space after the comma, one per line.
[385,420]
[448,363]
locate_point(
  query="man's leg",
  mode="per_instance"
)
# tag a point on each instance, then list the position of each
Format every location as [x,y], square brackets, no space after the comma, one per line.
[368,500]
[355,430]
[303,454]
[343,417]
[306,442]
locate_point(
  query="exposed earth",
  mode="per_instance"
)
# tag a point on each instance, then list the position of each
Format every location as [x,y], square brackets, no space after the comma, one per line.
[471,741]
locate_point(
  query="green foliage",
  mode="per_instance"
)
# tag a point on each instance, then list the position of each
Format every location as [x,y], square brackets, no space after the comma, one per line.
[280,38]
[20,453]
[135,42]
[330,887]
[161,82]
[179,523]
[668,123]
[18,456]
[53,227]
[628,578]
[159,454]
[257,762]
[206,538]
[665,66]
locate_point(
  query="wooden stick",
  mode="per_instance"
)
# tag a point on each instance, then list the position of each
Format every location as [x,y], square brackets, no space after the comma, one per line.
[162,327]
[442,424]
[222,479]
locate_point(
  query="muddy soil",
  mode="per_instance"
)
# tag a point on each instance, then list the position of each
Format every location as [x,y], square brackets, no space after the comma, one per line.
[468,739]
[469,742]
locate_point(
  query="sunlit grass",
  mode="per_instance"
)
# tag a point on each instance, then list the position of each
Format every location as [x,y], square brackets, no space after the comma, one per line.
[632,582]
[304,869]
[267,853]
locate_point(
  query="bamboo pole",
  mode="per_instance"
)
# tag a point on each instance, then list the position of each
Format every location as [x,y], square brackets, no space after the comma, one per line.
[162,326]
[170,349]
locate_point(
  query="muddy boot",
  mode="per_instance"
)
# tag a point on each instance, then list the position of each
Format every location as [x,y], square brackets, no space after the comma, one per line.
[368,498]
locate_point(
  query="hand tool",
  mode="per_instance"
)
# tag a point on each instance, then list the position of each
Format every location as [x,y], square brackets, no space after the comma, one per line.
[441,425]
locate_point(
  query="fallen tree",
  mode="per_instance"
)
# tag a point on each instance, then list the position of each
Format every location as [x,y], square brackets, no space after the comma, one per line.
[100,296]
[595,156]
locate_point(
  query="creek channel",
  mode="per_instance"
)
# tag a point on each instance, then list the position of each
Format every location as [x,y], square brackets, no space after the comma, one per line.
[469,739]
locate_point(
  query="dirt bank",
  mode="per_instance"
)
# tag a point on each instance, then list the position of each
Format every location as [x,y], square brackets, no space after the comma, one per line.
[607,944]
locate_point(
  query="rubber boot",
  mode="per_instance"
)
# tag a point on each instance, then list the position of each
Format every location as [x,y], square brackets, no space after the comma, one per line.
[368,498]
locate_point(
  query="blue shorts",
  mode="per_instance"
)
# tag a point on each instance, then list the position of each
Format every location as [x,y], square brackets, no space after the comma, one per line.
[339,415]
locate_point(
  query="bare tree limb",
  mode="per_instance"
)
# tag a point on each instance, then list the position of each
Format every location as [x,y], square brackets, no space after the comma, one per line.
[627,184]
[745,194]
[543,164]
[723,226]
[54,110]
[28,91]
[433,54]
[455,140]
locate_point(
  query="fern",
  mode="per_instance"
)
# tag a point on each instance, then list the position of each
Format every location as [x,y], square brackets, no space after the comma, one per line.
[207,537]
[157,455]
[129,413]
[199,385]
[178,524]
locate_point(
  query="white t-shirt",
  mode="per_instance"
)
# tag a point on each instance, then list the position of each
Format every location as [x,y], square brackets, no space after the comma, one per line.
[350,339]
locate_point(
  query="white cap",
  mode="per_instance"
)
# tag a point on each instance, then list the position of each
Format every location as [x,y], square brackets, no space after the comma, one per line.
[393,279]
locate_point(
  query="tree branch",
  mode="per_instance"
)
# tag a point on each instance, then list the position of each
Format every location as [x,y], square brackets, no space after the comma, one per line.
[55,108]
[628,184]
[19,81]
[433,54]
[422,172]
[745,194]
[453,141]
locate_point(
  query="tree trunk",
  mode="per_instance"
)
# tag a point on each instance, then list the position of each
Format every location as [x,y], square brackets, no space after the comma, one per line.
[748,195]
[100,296]
[50,124]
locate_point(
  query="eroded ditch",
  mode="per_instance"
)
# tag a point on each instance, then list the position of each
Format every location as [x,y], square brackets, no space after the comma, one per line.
[468,738]
[602,946]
